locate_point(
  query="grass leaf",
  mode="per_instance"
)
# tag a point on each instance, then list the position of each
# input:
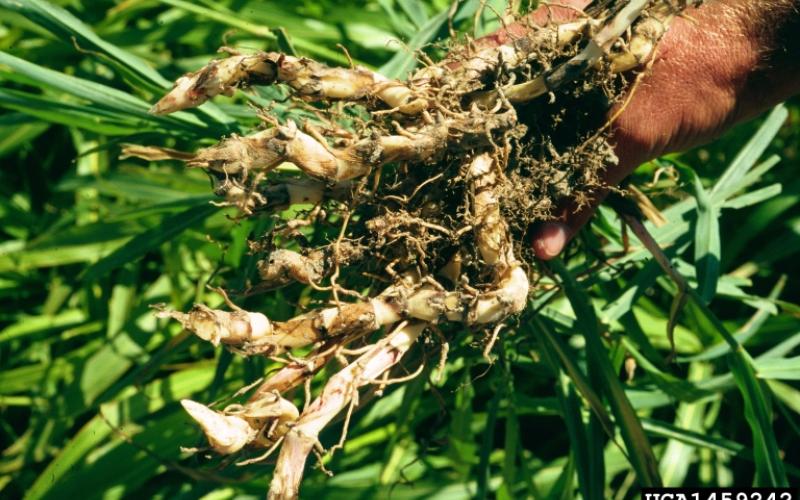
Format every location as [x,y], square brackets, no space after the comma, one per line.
[758,412]
[146,241]
[707,243]
[406,59]
[731,180]
[640,453]
[70,29]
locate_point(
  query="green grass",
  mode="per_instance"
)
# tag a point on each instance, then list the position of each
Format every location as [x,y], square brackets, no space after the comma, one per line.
[90,380]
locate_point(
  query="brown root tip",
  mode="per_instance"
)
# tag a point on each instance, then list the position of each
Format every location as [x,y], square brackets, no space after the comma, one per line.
[201,320]
[168,104]
[225,433]
[163,312]
[182,96]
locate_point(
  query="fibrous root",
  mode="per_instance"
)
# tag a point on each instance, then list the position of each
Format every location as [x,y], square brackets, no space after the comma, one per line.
[427,190]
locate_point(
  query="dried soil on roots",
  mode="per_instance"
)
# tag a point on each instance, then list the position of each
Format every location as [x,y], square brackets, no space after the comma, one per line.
[419,196]
[415,214]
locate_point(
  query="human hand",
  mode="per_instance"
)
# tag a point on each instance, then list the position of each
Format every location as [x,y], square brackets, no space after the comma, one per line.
[722,63]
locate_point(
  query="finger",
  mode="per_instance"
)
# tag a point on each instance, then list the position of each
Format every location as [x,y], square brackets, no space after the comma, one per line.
[550,238]
[559,11]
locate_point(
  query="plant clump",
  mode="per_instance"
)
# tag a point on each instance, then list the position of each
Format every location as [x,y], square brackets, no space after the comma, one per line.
[428,185]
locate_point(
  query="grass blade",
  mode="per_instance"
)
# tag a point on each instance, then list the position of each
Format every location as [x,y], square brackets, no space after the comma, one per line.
[134,404]
[746,332]
[144,242]
[707,244]
[678,456]
[754,197]
[556,351]
[487,442]
[406,60]
[730,182]
[123,103]
[758,412]
[640,453]
[67,27]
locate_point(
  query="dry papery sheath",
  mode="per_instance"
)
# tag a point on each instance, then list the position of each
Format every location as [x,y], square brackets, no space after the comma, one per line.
[426,186]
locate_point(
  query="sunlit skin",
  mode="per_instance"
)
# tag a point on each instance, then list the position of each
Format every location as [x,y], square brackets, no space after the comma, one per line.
[723,63]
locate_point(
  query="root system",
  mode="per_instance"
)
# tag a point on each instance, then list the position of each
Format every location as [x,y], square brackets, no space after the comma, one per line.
[427,187]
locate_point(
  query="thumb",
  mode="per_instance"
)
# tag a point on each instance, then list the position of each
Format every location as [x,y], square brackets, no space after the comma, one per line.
[550,238]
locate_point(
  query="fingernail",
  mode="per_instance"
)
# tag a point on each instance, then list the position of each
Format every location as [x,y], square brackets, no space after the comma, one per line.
[550,240]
